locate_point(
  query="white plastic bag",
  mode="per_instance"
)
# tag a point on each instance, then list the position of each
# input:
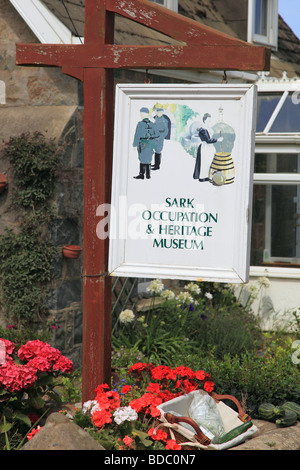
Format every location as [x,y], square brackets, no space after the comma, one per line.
[204,412]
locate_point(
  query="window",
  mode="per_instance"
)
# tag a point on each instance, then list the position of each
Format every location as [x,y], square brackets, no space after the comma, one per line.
[261,18]
[276,193]
[276,213]
[263,22]
[171,4]
[277,113]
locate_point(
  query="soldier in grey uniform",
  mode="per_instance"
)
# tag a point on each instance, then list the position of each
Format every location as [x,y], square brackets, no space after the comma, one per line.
[162,128]
[145,140]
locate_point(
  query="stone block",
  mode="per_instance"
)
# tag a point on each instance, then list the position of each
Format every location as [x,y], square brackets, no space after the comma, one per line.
[60,433]
[272,437]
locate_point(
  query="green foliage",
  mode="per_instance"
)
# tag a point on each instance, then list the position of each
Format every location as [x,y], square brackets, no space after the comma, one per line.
[25,254]
[253,378]
[295,324]
[26,266]
[70,391]
[205,326]
[22,336]
[231,332]
[123,357]
[18,409]
[201,316]
[34,161]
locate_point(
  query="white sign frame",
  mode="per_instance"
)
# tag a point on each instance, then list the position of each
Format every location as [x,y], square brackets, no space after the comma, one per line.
[132,253]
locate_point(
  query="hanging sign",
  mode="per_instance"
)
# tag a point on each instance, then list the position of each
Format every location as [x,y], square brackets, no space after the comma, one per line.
[182,182]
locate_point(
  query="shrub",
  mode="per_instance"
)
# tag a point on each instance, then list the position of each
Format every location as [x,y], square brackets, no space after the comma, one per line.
[271,376]
[201,316]
[34,160]
[25,255]
[27,376]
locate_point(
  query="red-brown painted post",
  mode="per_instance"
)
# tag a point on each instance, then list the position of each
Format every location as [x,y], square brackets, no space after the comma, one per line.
[98,137]
[98,109]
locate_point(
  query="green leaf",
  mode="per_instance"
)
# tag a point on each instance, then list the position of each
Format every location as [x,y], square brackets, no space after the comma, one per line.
[55,396]
[5,427]
[37,402]
[22,417]
[45,380]
[143,436]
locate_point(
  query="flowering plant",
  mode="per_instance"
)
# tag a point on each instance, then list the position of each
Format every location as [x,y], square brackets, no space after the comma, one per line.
[147,329]
[27,375]
[126,417]
[199,314]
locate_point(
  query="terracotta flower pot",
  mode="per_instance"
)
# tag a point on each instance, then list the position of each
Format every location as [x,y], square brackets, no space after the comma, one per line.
[72,251]
[3,182]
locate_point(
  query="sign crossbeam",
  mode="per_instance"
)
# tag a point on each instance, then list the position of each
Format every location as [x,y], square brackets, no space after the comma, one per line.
[115,56]
[93,63]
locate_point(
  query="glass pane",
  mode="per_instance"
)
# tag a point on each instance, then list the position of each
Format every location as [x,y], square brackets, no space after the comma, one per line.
[260,25]
[288,119]
[275,224]
[161,2]
[266,104]
[276,163]
[258,225]
[285,221]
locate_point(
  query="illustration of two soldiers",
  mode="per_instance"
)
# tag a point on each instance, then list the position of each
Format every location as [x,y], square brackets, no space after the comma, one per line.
[149,139]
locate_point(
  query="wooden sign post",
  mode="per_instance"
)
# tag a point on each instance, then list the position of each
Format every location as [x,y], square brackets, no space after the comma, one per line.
[93,63]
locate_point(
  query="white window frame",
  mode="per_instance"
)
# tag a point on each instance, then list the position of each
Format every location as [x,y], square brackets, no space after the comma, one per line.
[171,4]
[266,142]
[48,28]
[43,23]
[271,38]
[269,179]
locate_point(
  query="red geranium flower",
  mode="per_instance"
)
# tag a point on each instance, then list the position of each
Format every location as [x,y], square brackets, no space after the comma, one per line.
[125,389]
[101,388]
[157,434]
[172,445]
[153,388]
[200,375]
[33,432]
[101,417]
[163,372]
[140,367]
[208,386]
[185,372]
[128,441]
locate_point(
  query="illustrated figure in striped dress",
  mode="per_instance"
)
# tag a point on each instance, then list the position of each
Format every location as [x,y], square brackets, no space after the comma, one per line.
[206,150]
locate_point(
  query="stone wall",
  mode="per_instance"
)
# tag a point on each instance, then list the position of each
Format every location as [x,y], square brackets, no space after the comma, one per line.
[44,99]
[65,291]
[28,85]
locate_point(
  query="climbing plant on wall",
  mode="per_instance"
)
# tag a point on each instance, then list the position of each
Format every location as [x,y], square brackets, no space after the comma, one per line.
[26,255]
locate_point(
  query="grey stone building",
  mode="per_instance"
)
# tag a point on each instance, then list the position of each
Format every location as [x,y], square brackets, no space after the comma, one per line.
[46,100]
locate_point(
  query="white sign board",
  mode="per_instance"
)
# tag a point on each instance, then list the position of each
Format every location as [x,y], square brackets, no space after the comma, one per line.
[182,182]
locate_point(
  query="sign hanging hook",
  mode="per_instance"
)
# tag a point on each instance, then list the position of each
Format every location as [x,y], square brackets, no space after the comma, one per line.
[147,78]
[224,79]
